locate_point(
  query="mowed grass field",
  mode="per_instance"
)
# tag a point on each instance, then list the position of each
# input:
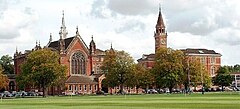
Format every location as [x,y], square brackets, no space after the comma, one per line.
[156,101]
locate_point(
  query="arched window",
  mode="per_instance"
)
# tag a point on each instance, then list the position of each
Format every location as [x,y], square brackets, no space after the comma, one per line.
[212,71]
[78,64]
[11,86]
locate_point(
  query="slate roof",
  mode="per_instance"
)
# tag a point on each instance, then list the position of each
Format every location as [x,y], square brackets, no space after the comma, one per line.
[147,57]
[55,44]
[199,51]
[82,79]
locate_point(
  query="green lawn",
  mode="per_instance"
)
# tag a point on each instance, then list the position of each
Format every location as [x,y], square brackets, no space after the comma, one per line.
[159,101]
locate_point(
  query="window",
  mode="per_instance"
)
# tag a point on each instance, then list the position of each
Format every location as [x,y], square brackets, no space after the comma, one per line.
[95,87]
[78,63]
[76,87]
[238,77]
[203,60]
[212,71]
[213,60]
[80,87]
[90,87]
[85,87]
[70,87]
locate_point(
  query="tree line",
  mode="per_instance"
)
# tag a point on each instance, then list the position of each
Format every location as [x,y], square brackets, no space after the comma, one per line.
[172,68]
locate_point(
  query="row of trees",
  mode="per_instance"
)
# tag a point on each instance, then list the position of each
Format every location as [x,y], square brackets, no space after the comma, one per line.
[172,68]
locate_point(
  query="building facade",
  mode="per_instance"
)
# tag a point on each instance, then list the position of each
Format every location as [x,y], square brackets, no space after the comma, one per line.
[83,62]
[209,58]
[236,80]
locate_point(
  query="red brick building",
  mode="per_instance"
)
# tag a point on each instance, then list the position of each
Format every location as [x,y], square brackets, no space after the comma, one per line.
[209,58]
[83,62]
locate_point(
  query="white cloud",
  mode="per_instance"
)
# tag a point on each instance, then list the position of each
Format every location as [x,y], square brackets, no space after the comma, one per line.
[128,24]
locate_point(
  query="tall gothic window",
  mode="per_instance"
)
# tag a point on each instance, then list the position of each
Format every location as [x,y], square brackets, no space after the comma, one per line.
[78,64]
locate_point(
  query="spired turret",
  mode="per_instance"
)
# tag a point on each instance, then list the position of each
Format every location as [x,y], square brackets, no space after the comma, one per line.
[63,34]
[160,34]
[92,46]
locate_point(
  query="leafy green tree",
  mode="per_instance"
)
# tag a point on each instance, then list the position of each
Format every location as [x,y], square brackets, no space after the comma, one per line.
[7,63]
[223,77]
[195,73]
[235,68]
[118,67]
[41,69]
[141,77]
[168,68]
[3,79]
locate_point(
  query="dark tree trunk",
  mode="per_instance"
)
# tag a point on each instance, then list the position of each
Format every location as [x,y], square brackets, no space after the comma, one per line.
[44,91]
[222,88]
[121,88]
[137,89]
[170,89]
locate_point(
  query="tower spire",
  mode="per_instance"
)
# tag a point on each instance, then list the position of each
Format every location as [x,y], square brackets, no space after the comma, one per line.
[77,33]
[111,49]
[16,53]
[160,23]
[16,50]
[36,43]
[63,32]
[92,46]
[160,34]
[50,39]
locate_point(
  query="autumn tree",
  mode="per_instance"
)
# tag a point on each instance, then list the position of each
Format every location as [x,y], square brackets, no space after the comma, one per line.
[3,79]
[141,77]
[168,67]
[7,63]
[223,77]
[194,73]
[118,67]
[42,69]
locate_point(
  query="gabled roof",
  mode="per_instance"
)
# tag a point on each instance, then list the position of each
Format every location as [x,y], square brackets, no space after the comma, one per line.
[55,44]
[82,79]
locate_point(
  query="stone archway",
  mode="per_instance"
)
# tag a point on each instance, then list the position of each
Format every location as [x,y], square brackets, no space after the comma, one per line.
[104,86]
[11,86]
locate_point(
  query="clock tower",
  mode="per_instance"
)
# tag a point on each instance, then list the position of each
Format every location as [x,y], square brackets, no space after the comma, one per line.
[160,34]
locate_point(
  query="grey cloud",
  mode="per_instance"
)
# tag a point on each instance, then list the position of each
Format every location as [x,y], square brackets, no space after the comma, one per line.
[226,36]
[132,7]
[29,11]
[9,34]
[123,7]
[131,25]
[100,10]
[97,8]
[3,7]
[21,19]
[199,17]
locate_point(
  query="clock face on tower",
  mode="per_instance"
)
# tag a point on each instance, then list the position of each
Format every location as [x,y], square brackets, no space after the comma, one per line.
[163,41]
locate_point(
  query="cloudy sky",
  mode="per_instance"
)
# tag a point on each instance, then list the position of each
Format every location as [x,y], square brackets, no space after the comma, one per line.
[128,24]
